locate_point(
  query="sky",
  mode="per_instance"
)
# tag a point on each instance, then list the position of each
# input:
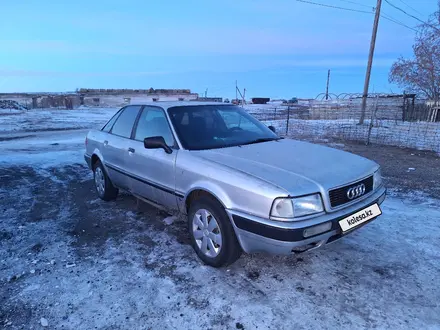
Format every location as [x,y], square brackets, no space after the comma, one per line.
[273,48]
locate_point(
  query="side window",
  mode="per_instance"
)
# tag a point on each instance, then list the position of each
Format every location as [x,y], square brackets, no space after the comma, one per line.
[125,121]
[110,123]
[153,122]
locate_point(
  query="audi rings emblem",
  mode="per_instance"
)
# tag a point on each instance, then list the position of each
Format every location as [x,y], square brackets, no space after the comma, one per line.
[356,191]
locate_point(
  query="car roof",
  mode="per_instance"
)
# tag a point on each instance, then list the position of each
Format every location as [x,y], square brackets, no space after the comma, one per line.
[169,104]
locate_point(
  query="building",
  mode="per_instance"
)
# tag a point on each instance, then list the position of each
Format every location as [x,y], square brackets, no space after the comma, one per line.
[121,97]
[98,97]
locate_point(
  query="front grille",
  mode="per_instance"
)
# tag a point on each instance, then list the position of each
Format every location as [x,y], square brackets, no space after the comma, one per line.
[339,197]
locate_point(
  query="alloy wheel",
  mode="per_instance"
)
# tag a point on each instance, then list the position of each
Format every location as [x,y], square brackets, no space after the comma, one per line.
[207,233]
[99,181]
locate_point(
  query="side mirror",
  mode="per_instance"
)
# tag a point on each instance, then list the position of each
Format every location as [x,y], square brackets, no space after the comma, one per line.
[272,128]
[157,142]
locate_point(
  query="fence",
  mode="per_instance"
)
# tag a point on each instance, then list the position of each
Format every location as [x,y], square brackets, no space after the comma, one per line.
[388,121]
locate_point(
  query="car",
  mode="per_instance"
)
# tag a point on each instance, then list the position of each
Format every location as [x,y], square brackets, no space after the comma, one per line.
[240,185]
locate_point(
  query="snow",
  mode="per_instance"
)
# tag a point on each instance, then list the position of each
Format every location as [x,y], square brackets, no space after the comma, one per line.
[51,119]
[44,149]
[169,220]
[10,111]
[381,276]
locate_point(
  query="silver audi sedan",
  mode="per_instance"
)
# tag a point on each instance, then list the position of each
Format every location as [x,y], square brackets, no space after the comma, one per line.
[242,187]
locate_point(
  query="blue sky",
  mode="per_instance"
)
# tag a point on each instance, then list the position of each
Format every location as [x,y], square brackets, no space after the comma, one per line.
[274,48]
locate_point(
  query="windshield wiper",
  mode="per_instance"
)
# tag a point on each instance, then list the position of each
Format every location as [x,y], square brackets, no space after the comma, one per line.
[261,140]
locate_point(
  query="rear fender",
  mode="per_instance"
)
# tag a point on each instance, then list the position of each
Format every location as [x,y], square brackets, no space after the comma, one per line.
[98,154]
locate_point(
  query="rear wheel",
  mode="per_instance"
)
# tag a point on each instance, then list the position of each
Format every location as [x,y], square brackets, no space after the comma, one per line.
[212,235]
[103,185]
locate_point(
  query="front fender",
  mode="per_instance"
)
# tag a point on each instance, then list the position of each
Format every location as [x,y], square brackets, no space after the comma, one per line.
[211,188]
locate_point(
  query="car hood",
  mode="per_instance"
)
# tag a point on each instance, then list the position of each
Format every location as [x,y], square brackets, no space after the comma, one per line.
[295,166]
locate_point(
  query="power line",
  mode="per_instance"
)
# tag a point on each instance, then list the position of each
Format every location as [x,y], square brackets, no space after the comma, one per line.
[334,7]
[410,7]
[403,11]
[357,3]
[387,17]
[397,22]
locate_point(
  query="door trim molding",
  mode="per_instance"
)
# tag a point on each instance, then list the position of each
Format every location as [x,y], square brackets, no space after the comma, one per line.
[152,184]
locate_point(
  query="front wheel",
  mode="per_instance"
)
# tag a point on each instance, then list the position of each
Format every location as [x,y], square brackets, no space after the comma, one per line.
[212,235]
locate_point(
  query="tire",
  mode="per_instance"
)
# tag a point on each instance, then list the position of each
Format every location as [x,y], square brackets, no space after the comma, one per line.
[217,251]
[104,187]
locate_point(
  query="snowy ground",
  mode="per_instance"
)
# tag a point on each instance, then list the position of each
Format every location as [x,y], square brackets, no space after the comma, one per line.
[52,119]
[77,262]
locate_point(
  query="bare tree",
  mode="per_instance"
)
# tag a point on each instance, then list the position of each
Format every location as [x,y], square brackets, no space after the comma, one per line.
[421,74]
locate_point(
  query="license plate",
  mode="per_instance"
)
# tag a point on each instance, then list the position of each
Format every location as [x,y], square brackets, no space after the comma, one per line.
[360,217]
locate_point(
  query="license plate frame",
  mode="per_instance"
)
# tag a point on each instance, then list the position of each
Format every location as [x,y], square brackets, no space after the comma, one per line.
[356,219]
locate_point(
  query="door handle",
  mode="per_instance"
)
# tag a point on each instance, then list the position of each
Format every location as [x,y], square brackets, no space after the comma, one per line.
[105,143]
[131,150]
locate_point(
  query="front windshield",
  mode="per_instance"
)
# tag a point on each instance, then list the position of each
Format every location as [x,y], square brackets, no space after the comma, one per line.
[217,126]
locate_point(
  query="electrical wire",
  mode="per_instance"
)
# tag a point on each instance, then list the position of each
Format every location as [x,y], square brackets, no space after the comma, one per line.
[397,22]
[359,4]
[410,7]
[416,18]
[387,17]
[334,7]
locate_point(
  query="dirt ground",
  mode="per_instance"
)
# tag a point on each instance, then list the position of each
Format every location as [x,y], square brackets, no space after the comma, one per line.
[71,260]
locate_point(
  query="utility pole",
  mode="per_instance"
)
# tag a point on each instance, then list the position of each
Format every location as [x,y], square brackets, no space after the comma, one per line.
[370,61]
[328,81]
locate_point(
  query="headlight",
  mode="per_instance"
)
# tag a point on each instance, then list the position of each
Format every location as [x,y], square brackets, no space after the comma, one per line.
[377,179]
[296,207]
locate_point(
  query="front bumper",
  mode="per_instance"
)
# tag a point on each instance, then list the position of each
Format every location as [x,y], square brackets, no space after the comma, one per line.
[263,235]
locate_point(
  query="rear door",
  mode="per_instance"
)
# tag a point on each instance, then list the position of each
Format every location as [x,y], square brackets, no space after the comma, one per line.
[152,170]
[115,147]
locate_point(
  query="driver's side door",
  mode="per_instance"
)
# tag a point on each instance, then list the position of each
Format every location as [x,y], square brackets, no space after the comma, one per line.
[152,170]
